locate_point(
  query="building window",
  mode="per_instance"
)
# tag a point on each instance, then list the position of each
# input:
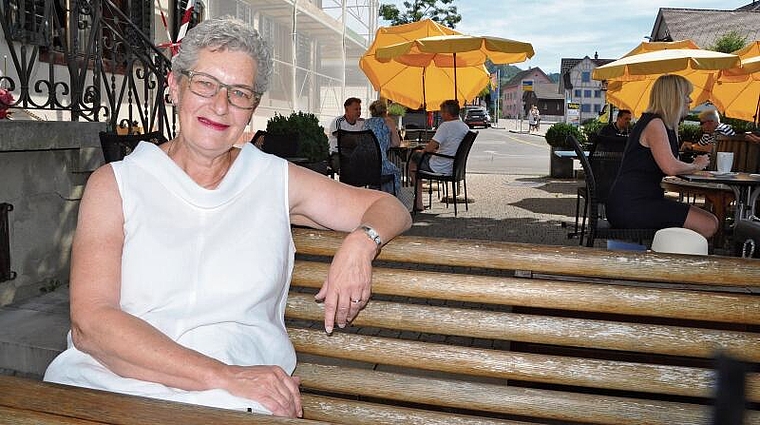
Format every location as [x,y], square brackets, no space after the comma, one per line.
[597,93]
[586,107]
[577,94]
[585,77]
[587,93]
[597,108]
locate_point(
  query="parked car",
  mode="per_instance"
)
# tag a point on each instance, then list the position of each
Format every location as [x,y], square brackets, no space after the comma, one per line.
[477,116]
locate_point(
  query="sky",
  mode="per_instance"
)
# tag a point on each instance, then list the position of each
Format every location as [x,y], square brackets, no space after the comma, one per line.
[569,29]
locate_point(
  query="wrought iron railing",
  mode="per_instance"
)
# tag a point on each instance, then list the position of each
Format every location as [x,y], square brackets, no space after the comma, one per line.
[5,244]
[91,60]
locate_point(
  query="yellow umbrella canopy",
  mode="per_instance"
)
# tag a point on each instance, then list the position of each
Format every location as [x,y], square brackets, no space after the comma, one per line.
[630,78]
[653,46]
[736,92]
[414,86]
[456,50]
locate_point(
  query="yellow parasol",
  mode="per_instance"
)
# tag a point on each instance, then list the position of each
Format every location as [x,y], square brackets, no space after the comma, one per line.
[414,86]
[737,91]
[629,79]
[457,52]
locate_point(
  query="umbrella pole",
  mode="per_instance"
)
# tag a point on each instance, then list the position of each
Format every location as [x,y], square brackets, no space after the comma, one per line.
[456,97]
[424,99]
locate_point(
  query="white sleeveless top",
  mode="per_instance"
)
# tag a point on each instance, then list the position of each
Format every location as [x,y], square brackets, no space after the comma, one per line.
[209,268]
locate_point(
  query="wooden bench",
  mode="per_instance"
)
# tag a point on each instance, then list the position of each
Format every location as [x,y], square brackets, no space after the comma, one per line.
[478,332]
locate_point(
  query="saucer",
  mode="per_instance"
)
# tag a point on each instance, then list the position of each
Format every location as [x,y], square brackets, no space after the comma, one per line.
[726,174]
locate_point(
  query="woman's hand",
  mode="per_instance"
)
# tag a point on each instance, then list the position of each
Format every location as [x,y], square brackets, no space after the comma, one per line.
[348,285]
[701,162]
[268,385]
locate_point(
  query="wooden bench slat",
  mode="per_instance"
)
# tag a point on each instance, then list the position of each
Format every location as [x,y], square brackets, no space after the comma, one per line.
[549,259]
[340,410]
[26,417]
[547,404]
[642,338]
[120,409]
[605,374]
[619,299]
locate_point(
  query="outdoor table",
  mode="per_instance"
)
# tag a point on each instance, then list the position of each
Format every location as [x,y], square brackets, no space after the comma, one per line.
[742,184]
[400,156]
[569,154]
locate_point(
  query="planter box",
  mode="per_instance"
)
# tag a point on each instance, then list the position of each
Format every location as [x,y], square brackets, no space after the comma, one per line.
[560,168]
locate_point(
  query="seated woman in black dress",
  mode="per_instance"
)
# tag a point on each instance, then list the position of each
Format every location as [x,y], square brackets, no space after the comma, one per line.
[636,199]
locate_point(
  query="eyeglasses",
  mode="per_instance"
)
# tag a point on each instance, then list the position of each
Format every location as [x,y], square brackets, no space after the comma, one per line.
[205,85]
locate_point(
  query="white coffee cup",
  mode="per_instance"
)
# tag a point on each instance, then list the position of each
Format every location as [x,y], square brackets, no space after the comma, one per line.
[725,162]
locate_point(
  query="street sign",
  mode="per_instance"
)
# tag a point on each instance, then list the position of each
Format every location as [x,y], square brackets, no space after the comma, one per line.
[527,85]
[573,113]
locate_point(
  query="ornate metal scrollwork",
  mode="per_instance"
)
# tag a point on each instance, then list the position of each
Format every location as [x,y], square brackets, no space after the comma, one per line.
[106,69]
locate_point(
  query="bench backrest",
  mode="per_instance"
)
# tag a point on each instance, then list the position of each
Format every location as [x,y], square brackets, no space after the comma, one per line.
[504,331]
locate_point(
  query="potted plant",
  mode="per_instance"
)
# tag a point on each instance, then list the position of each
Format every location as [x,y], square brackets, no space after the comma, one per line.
[556,138]
[397,111]
[312,140]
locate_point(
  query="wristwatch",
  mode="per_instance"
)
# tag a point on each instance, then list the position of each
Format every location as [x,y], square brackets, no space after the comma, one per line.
[371,234]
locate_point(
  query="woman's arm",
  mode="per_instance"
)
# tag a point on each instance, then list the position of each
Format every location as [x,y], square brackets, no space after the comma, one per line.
[131,347]
[318,201]
[395,138]
[655,137]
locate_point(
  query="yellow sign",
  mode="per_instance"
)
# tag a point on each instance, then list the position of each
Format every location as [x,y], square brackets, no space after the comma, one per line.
[527,85]
[573,105]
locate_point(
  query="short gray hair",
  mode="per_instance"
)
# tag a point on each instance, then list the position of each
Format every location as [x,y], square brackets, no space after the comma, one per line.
[709,115]
[378,108]
[225,33]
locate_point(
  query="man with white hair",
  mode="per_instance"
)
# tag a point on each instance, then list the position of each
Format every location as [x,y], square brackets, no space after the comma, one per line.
[709,121]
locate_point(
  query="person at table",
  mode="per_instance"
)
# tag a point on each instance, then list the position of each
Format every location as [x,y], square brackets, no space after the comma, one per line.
[636,199]
[350,121]
[387,135]
[621,126]
[709,122]
[183,252]
[446,140]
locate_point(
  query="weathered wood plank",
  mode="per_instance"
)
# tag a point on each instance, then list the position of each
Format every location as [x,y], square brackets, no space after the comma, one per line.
[608,335]
[557,405]
[592,373]
[119,409]
[592,297]
[550,259]
[363,413]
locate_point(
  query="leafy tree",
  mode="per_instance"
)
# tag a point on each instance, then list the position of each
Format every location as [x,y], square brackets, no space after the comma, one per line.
[417,10]
[729,42]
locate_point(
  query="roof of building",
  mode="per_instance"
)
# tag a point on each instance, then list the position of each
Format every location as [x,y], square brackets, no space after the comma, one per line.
[566,64]
[548,91]
[704,26]
[522,74]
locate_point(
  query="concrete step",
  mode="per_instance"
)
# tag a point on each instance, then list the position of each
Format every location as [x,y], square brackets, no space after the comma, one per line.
[33,332]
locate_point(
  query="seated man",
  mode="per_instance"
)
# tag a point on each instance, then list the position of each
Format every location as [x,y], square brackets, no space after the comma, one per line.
[621,126]
[445,141]
[709,120]
[349,121]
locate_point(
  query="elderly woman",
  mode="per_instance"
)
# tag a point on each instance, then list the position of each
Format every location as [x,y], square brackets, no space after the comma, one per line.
[636,199]
[183,253]
[387,135]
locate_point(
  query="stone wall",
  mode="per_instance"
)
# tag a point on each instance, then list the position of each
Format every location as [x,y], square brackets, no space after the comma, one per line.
[43,168]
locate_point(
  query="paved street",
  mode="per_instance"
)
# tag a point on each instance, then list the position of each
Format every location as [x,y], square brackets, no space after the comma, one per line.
[506,151]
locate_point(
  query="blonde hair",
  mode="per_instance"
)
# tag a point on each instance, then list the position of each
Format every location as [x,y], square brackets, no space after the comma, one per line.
[378,108]
[668,98]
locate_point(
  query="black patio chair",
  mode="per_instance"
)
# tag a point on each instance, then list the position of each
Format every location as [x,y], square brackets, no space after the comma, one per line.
[361,160]
[598,226]
[605,156]
[282,145]
[459,172]
[116,146]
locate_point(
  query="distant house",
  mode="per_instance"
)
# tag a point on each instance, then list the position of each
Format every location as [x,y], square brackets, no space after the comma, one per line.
[705,26]
[516,98]
[577,86]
